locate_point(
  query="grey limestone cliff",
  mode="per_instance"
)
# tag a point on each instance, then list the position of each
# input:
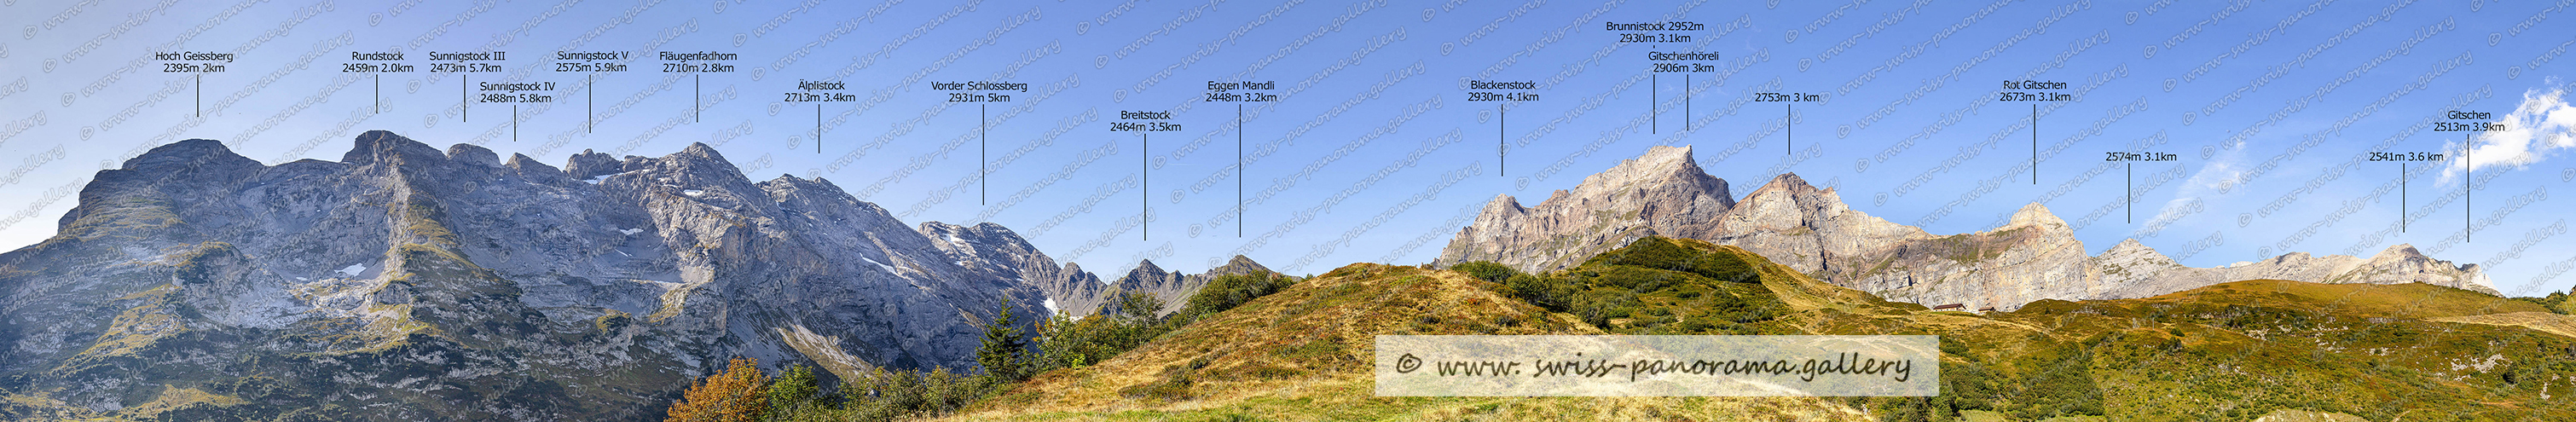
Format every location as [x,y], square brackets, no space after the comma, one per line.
[1661,193]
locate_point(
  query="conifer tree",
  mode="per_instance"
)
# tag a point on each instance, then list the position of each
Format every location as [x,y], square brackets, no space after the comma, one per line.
[1003,347]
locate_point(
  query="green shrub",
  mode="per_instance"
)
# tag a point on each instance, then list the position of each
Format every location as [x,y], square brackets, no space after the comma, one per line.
[1067,342]
[2059,383]
[1229,291]
[1661,253]
[1546,292]
[1486,270]
[886,395]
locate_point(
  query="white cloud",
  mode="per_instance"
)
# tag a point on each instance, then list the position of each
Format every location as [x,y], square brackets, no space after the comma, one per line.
[2224,173]
[2542,123]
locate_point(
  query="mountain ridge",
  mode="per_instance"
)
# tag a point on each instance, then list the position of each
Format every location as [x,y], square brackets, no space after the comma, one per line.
[456,285]
[2032,256]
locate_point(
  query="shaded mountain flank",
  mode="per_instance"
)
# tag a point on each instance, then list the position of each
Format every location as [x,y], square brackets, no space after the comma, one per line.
[2032,257]
[406,283]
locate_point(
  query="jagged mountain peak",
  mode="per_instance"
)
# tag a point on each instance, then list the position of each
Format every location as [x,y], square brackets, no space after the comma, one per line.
[533,170]
[1147,267]
[2129,262]
[1662,171]
[696,161]
[1503,203]
[2129,245]
[1659,162]
[187,153]
[1785,201]
[376,146]
[1662,160]
[1786,183]
[1666,153]
[697,154]
[474,155]
[2404,259]
[2399,251]
[2132,251]
[1241,261]
[588,164]
[701,150]
[525,163]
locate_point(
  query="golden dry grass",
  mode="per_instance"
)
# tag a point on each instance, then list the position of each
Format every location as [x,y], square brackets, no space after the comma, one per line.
[2564,325]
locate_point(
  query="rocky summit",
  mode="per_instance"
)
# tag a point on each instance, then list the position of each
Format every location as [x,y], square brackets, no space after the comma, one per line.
[2034,256]
[406,283]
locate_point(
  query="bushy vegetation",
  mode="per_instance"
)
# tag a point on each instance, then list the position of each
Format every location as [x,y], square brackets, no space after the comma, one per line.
[1229,291]
[889,395]
[1067,342]
[1007,358]
[2555,301]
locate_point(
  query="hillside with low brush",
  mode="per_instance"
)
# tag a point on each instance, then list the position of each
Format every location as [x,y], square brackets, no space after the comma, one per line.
[2247,350]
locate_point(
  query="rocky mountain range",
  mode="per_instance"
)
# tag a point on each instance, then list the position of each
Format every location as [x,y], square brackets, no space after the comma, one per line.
[1174,288]
[2034,256]
[406,283]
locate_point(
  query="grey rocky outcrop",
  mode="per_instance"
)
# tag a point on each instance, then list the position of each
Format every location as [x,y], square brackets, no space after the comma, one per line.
[1661,193]
[2033,256]
[406,283]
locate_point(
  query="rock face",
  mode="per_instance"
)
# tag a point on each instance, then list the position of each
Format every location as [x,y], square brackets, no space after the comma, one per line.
[1661,193]
[2034,256]
[403,283]
[1005,261]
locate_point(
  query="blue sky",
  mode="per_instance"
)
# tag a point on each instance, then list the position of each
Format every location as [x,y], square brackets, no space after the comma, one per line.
[1374,151]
